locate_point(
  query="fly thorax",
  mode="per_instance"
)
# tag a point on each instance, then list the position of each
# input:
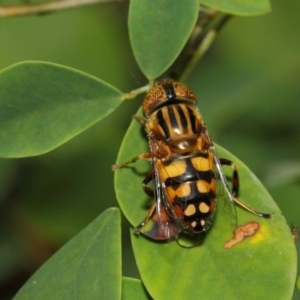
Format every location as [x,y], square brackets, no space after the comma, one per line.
[182,145]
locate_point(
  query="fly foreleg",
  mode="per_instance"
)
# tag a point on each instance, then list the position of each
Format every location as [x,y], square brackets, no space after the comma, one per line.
[146,156]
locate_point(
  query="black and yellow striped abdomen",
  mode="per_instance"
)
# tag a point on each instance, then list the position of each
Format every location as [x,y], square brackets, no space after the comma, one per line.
[189,184]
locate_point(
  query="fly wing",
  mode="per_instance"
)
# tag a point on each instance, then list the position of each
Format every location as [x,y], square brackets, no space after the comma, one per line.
[223,189]
[164,224]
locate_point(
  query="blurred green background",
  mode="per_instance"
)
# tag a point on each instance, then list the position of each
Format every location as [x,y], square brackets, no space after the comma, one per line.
[248,88]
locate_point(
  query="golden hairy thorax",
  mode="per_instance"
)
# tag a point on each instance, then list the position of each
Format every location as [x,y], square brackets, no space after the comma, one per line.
[174,124]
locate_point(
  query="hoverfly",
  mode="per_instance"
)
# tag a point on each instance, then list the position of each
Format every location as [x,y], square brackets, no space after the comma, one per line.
[185,167]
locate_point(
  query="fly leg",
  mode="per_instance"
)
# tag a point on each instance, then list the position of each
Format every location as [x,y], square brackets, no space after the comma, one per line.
[140,156]
[133,160]
[149,192]
[235,190]
[146,189]
[139,119]
[235,176]
[138,228]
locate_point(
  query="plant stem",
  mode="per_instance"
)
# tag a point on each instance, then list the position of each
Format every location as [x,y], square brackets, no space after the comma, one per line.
[29,9]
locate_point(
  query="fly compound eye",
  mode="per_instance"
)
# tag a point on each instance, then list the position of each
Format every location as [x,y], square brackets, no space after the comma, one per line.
[164,93]
[155,96]
[184,92]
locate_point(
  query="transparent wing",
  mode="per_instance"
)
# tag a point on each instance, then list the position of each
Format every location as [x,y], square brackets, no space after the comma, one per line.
[223,189]
[164,223]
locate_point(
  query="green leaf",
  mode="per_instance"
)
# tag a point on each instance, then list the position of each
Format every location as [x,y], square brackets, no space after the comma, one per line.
[158,31]
[238,7]
[264,262]
[43,105]
[87,267]
[133,289]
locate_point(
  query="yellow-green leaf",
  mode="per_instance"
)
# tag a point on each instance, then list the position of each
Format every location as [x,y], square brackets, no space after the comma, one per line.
[43,105]
[133,289]
[87,267]
[264,262]
[158,31]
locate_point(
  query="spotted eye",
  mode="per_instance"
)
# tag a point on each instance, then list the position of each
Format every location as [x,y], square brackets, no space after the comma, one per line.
[166,91]
[183,92]
[155,96]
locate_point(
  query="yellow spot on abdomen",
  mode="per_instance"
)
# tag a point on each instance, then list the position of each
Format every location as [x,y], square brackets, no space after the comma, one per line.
[184,190]
[201,163]
[190,210]
[203,186]
[203,207]
[175,169]
[194,223]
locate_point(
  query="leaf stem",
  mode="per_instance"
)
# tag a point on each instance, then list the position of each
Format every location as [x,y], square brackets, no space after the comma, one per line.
[209,23]
[29,9]
[203,47]
[134,93]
